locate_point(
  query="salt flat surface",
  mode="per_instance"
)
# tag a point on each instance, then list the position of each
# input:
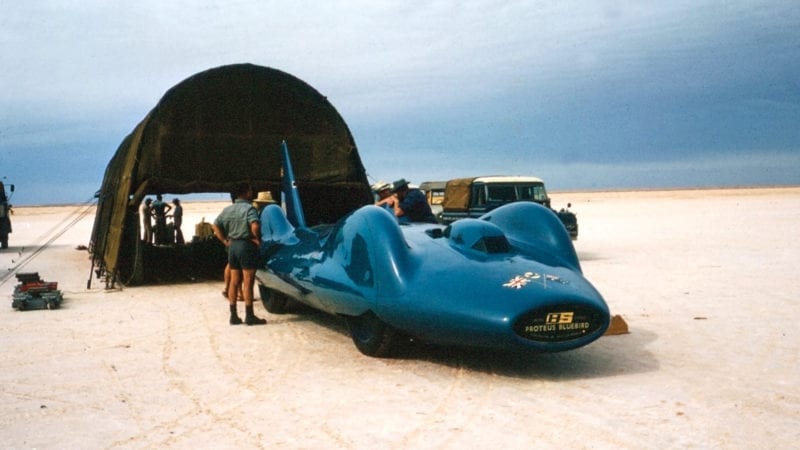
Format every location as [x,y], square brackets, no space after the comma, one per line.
[706,280]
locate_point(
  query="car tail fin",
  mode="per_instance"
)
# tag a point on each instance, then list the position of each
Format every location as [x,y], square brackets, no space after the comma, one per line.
[291,198]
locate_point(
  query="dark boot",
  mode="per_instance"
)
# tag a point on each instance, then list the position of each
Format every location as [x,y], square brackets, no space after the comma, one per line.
[251,319]
[235,320]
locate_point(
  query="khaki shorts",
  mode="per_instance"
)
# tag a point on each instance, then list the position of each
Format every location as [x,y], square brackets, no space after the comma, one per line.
[242,254]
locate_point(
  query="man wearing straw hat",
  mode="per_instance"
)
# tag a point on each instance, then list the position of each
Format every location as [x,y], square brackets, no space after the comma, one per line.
[263,199]
[383,190]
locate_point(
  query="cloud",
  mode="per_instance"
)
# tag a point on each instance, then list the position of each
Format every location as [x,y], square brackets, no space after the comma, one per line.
[613,82]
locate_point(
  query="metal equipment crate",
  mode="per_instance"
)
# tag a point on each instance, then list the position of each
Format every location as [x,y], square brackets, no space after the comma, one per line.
[34,293]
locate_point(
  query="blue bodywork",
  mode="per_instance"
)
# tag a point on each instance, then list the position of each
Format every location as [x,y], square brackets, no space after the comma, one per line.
[509,280]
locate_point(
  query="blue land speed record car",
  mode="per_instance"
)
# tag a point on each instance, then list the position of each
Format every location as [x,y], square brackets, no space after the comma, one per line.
[495,282]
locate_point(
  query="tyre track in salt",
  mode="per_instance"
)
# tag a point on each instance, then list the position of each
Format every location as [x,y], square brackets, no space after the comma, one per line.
[304,334]
[461,386]
[177,381]
[229,417]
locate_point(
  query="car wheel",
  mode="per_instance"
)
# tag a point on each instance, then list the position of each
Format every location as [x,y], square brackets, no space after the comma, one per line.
[371,335]
[274,302]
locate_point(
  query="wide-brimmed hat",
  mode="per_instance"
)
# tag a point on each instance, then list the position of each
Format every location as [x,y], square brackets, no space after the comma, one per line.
[399,184]
[264,197]
[381,186]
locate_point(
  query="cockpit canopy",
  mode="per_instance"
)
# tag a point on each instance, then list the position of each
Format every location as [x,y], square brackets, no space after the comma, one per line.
[477,235]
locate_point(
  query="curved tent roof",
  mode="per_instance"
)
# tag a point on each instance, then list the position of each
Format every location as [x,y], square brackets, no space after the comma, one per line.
[221,127]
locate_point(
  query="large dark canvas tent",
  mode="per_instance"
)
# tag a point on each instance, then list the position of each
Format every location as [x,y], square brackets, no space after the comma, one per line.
[214,130]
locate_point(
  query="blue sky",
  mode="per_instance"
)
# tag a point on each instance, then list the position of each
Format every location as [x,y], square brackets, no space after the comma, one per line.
[587,95]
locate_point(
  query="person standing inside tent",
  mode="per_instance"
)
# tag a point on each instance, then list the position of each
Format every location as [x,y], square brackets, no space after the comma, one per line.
[160,210]
[238,228]
[146,216]
[177,221]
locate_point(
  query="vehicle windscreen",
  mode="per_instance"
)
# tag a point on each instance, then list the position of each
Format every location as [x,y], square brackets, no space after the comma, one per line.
[507,193]
[501,193]
[533,192]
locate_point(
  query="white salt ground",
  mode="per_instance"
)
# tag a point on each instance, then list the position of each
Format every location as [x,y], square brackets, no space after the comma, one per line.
[705,279]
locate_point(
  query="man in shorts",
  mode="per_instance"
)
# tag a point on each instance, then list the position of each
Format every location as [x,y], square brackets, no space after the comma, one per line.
[237,227]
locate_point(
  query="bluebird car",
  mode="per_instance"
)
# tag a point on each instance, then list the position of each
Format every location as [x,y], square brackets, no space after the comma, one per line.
[509,279]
